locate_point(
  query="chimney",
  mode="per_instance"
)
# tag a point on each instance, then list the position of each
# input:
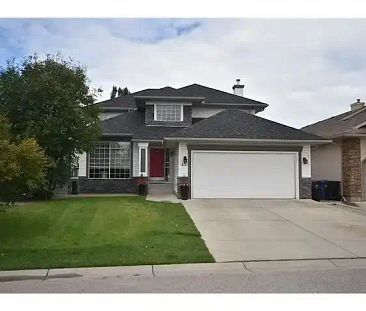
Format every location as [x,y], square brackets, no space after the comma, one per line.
[357,105]
[238,88]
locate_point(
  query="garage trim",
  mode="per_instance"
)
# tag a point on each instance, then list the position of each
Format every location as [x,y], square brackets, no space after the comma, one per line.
[296,159]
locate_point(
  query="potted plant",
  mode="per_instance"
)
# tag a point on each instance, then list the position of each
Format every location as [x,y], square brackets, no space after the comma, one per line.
[142,186]
[184,191]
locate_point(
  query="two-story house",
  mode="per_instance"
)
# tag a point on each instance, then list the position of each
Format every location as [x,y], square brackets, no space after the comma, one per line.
[204,137]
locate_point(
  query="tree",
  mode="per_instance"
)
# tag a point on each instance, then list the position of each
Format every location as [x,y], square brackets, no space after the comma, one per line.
[23,164]
[126,91]
[114,92]
[120,92]
[50,100]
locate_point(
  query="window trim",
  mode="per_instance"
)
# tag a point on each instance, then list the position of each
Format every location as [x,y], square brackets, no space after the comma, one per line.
[169,104]
[140,147]
[109,161]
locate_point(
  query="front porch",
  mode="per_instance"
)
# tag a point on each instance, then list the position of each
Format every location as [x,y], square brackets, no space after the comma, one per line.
[161,167]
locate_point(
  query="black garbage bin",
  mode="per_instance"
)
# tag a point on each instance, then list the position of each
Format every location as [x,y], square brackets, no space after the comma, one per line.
[74,187]
[326,190]
[184,191]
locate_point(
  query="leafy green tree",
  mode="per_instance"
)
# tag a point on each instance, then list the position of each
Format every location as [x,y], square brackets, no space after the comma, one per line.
[114,92]
[23,164]
[50,100]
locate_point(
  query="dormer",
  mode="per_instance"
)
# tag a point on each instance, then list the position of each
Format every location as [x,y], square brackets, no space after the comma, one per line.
[167,110]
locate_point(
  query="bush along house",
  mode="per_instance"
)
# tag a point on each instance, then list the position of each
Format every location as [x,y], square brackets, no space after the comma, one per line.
[208,140]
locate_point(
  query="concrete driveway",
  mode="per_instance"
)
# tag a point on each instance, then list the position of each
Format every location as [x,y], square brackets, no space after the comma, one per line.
[242,229]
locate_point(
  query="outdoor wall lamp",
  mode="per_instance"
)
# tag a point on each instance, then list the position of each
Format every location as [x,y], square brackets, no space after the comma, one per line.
[305,160]
[185,161]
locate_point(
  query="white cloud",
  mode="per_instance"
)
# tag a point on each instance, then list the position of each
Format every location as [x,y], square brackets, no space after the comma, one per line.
[305,70]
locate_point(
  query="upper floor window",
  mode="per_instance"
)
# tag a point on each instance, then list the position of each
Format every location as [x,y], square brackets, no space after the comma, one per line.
[172,113]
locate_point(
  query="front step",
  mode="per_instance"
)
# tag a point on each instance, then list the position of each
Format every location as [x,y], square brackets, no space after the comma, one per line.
[160,188]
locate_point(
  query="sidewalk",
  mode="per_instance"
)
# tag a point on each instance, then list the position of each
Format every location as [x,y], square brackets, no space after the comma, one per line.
[240,267]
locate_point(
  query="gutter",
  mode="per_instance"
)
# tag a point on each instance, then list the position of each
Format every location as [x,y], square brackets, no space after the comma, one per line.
[115,109]
[170,97]
[256,141]
[117,134]
[149,140]
[348,135]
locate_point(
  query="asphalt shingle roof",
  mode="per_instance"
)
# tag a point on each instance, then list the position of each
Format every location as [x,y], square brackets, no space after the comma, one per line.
[216,96]
[133,124]
[235,123]
[194,90]
[125,101]
[342,124]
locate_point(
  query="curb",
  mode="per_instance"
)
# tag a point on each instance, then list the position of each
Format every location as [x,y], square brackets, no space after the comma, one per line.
[196,269]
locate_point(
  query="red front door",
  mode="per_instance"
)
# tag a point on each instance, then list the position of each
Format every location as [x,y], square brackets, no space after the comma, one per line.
[156,162]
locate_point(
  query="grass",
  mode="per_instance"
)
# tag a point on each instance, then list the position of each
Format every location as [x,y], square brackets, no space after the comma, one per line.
[98,231]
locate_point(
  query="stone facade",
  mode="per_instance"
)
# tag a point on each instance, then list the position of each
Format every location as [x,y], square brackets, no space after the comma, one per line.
[180,181]
[351,169]
[305,188]
[187,117]
[86,185]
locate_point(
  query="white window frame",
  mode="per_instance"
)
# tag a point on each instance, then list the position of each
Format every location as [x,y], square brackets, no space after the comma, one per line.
[168,104]
[142,146]
[109,161]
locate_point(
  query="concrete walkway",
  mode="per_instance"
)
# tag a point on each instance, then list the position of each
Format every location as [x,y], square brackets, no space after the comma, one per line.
[161,192]
[246,230]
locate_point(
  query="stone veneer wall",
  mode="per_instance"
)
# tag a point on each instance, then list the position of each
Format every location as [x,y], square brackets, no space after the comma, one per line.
[149,117]
[305,188]
[183,180]
[87,185]
[351,169]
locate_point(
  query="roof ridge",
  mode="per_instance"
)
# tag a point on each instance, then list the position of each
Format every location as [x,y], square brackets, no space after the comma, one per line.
[211,88]
[355,113]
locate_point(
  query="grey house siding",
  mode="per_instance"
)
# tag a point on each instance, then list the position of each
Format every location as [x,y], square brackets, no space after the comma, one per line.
[149,117]
[88,185]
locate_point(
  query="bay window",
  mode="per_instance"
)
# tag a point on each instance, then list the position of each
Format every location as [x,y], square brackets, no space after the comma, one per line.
[110,160]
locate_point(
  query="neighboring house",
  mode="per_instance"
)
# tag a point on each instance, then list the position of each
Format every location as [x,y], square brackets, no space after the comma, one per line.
[207,138]
[343,159]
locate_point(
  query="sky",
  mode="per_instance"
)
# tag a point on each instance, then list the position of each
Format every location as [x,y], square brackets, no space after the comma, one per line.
[305,69]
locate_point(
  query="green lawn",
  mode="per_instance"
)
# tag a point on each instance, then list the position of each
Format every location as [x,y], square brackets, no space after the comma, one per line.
[102,231]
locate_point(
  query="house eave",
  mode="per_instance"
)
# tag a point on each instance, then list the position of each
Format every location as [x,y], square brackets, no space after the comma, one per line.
[115,109]
[173,98]
[117,134]
[250,141]
[347,135]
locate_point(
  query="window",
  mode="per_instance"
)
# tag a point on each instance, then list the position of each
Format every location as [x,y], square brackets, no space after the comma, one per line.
[143,161]
[110,160]
[168,113]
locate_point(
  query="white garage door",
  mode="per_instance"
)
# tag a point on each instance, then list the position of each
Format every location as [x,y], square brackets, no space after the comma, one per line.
[244,174]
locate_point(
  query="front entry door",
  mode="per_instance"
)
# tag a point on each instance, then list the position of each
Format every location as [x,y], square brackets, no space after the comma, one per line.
[157,162]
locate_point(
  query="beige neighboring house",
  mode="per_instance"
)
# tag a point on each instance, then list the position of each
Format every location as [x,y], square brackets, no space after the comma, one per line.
[344,159]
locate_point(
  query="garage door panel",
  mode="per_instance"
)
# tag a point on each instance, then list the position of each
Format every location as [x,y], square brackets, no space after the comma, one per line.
[218,174]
